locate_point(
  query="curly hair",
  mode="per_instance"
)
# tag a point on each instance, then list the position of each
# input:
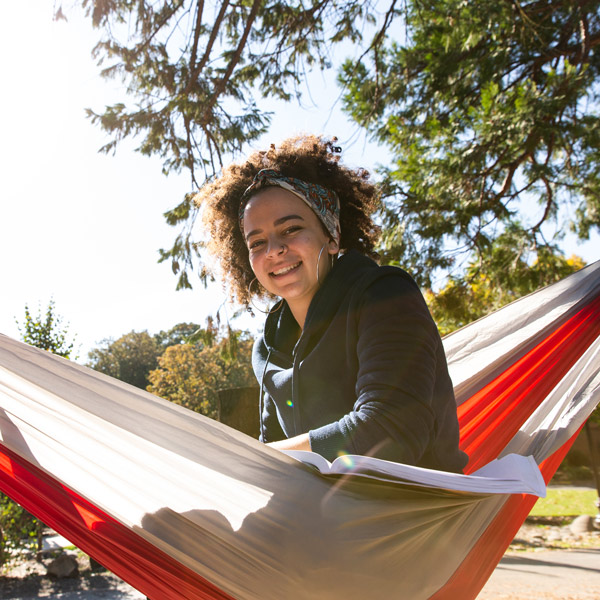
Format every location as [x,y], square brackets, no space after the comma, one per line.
[310,158]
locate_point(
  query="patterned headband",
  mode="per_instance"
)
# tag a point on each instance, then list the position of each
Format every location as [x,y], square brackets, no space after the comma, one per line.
[323,202]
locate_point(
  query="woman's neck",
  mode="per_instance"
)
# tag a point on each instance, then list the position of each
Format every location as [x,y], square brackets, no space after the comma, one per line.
[299,306]
[299,309]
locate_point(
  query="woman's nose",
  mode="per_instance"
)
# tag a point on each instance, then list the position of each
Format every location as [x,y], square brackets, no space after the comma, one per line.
[276,247]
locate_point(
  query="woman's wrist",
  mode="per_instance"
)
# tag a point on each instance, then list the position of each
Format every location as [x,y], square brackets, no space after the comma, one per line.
[298,442]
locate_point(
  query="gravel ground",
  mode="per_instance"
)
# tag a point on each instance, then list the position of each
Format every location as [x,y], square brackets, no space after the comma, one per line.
[28,580]
[543,533]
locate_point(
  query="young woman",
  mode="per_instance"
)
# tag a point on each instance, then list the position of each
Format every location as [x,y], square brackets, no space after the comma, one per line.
[350,361]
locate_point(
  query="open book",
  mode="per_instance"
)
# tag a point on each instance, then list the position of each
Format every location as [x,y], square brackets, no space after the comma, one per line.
[511,474]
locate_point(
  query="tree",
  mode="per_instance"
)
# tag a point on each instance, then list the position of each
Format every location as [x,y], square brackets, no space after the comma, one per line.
[489,112]
[46,331]
[192,374]
[178,334]
[129,358]
[18,528]
[134,355]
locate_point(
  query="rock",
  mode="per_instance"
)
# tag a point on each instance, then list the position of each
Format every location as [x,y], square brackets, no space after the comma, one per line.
[554,535]
[65,565]
[582,524]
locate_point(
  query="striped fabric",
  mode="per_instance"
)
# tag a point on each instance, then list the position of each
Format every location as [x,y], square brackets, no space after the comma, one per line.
[183,507]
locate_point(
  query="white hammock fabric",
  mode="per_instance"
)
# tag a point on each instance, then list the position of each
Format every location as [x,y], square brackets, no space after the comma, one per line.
[182,506]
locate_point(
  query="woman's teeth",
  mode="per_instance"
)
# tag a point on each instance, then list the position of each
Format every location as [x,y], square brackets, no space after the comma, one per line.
[285,270]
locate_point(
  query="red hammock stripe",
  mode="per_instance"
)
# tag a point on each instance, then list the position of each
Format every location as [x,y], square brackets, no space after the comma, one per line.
[111,543]
[491,417]
[469,579]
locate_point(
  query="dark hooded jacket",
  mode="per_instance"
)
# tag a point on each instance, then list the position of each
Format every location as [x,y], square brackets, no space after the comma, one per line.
[368,374]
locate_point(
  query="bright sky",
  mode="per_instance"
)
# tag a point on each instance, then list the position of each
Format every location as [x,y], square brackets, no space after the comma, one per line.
[85,228]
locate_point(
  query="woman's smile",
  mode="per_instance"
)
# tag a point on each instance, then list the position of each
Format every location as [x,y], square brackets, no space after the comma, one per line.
[285,270]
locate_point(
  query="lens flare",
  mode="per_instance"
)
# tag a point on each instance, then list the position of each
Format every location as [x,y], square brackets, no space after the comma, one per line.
[347,461]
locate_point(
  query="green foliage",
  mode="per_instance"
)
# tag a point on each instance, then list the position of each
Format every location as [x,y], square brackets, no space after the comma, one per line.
[192,374]
[18,529]
[186,364]
[46,331]
[194,73]
[182,333]
[489,113]
[129,358]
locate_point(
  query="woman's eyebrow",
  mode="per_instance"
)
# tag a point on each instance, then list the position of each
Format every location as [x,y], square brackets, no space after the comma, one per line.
[276,223]
[287,218]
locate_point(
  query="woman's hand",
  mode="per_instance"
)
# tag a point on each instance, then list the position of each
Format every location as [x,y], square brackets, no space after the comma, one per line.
[300,442]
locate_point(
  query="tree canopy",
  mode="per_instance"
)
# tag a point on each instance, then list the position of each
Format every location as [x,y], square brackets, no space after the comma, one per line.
[195,70]
[195,73]
[187,364]
[488,109]
[192,374]
[490,112]
[129,358]
[132,356]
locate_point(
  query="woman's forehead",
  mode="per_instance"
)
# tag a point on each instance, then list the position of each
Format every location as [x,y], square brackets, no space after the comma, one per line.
[272,203]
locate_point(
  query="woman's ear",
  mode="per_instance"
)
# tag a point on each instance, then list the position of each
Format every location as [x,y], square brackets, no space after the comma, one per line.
[333,247]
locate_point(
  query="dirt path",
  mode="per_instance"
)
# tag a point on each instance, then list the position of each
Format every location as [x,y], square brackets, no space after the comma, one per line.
[545,575]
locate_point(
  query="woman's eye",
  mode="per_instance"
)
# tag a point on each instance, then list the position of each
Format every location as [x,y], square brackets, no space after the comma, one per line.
[292,229]
[255,244]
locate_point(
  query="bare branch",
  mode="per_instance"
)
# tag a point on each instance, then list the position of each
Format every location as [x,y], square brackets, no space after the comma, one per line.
[195,70]
[197,30]
[549,203]
[220,87]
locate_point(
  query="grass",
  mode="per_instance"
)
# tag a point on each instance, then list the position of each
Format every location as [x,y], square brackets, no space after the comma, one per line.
[562,502]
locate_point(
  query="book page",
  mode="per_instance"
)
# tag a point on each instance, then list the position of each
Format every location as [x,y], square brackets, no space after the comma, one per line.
[512,474]
[310,458]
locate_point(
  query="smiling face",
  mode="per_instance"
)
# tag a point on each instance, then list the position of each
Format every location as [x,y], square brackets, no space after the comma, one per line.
[284,239]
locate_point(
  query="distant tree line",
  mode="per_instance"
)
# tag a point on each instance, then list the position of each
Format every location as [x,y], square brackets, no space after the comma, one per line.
[188,364]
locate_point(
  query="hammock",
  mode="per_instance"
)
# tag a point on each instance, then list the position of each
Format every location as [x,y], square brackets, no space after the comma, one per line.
[183,507]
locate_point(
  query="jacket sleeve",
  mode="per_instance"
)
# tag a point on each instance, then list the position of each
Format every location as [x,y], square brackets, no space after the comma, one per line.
[397,348]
